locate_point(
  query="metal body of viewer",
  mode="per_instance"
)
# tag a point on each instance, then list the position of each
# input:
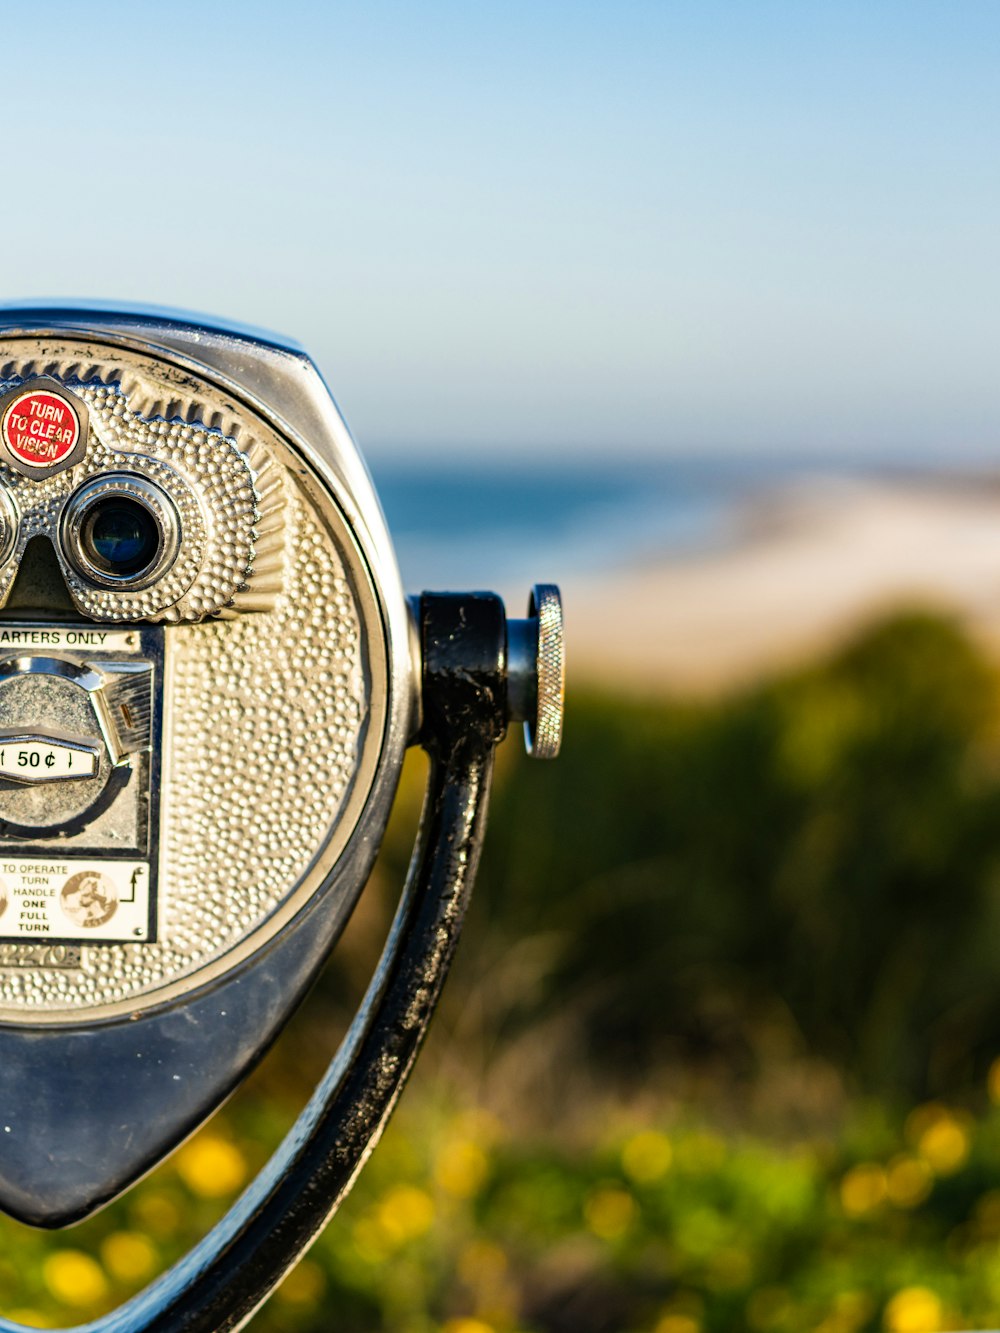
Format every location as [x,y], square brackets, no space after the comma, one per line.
[209,674]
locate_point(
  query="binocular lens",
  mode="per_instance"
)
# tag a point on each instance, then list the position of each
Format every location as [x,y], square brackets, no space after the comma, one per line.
[120,536]
[120,531]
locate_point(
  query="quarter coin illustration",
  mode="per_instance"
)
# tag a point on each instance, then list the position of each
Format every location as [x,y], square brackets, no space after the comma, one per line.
[89,898]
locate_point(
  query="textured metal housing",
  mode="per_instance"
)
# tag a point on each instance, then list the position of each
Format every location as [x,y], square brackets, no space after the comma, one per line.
[285,724]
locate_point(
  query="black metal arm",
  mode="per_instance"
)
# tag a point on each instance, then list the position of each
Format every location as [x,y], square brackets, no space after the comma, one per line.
[231,1272]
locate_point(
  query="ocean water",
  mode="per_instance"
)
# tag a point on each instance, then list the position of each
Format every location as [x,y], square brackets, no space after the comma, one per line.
[473,526]
[466,525]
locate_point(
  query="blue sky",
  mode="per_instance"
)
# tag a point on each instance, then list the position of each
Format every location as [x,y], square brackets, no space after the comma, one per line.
[551,228]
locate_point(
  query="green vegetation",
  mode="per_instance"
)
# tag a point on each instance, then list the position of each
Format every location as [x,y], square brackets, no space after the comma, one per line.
[719,1052]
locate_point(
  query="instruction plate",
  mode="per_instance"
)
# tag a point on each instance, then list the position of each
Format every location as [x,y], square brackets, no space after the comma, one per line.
[74,899]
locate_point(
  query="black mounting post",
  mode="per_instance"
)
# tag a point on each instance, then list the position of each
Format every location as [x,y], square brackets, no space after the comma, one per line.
[231,1272]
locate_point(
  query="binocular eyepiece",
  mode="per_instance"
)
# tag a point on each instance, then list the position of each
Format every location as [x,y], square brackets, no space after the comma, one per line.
[120,531]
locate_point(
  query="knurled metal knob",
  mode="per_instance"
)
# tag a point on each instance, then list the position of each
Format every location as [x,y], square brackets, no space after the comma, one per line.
[536,675]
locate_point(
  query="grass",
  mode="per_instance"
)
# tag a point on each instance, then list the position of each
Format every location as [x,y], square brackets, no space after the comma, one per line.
[719,1051]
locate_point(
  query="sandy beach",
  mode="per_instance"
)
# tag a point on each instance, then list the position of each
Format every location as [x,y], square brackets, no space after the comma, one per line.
[805,566]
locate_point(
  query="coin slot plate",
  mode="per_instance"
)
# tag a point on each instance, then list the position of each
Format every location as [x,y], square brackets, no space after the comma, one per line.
[40,758]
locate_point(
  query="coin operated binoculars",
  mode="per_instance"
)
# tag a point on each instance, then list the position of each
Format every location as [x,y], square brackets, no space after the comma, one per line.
[209,675]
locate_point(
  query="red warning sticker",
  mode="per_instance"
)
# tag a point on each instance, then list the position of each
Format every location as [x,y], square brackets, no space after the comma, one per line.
[40,428]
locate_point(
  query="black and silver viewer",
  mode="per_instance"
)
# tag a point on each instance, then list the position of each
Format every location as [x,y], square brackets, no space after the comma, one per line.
[209,675]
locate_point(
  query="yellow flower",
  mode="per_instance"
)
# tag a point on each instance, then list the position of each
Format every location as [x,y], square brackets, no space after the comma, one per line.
[478,1124]
[304,1285]
[609,1212]
[461,1168]
[909,1180]
[863,1189]
[405,1213]
[677,1323]
[646,1157]
[942,1137]
[914,1310]
[467,1326]
[74,1278]
[128,1256]
[945,1146]
[482,1267]
[211,1166]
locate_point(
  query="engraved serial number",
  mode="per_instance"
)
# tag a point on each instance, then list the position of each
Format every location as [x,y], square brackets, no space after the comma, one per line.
[39,955]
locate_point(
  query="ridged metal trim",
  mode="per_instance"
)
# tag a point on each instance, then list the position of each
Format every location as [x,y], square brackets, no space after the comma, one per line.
[543,738]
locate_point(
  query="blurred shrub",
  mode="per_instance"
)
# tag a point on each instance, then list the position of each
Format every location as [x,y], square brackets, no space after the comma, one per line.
[656,1225]
[824,848]
[798,886]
